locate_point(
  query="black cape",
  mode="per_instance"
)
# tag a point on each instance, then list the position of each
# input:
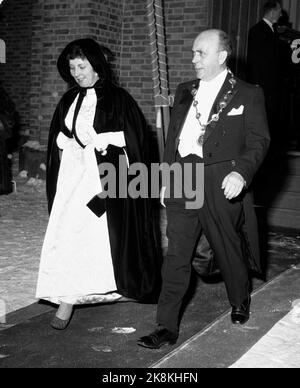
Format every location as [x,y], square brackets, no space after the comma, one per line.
[134,239]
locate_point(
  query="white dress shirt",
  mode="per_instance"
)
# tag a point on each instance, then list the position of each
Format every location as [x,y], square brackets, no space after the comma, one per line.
[206,95]
[269,23]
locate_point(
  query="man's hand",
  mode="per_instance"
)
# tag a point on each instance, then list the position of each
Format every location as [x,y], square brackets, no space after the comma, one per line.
[162,196]
[233,185]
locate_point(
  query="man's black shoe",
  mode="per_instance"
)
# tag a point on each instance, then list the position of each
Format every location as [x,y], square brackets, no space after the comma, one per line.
[158,338]
[240,314]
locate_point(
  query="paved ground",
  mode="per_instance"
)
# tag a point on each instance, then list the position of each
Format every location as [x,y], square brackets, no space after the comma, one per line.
[105,336]
[254,345]
[23,220]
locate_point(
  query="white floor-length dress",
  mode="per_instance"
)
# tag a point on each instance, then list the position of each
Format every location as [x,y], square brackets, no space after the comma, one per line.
[76,264]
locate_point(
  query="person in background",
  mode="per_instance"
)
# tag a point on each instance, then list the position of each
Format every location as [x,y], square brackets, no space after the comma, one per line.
[219,122]
[97,248]
[264,66]
[7,123]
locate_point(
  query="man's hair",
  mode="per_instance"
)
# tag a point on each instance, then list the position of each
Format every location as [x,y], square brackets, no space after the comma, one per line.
[269,6]
[225,43]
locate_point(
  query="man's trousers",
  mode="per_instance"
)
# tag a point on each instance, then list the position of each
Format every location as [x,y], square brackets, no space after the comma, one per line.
[221,221]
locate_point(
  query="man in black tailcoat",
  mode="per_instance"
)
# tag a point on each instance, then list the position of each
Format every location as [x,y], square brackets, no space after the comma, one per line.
[219,121]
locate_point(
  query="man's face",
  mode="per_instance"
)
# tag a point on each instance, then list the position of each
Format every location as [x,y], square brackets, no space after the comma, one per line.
[207,59]
[276,13]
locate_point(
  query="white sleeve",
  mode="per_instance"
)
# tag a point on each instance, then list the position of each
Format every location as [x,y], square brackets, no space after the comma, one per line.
[62,141]
[117,138]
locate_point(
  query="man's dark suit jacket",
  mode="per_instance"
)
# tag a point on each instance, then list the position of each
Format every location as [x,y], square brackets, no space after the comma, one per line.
[242,139]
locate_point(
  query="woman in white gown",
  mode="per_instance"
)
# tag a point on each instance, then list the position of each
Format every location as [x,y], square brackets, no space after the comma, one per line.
[95,249]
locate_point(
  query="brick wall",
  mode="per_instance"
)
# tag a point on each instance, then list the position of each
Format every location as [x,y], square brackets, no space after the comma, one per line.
[30,75]
[183,21]
[55,24]
[16,31]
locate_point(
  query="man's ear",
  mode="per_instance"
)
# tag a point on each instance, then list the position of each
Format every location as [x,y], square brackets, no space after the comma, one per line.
[222,57]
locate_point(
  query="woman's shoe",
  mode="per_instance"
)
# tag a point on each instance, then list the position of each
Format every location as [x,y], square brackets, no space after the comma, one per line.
[60,324]
[64,310]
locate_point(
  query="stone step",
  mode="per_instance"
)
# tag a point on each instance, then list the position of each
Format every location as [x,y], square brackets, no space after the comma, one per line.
[286,200]
[279,193]
[292,184]
[285,218]
[293,163]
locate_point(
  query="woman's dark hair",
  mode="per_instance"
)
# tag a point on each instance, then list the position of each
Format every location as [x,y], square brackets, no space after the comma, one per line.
[84,48]
[75,52]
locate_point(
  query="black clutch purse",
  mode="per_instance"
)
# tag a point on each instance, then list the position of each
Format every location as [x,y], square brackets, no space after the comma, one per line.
[97,205]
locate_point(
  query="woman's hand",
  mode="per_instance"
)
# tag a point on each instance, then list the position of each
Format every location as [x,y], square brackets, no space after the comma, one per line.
[101,142]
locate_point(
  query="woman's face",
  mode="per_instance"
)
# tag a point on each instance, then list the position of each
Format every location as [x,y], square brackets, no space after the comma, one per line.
[83,73]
